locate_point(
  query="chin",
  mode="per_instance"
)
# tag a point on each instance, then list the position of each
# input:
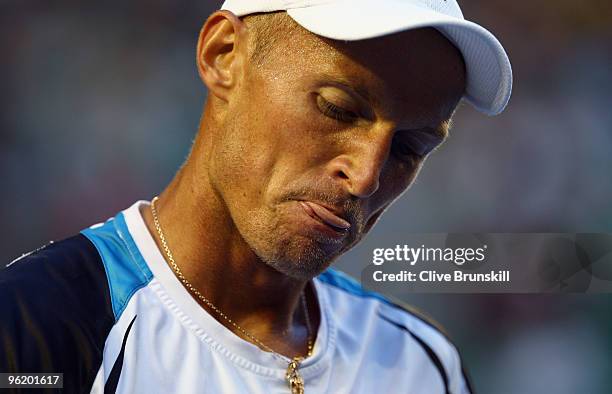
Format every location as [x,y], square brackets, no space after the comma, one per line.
[298,271]
[291,250]
[300,262]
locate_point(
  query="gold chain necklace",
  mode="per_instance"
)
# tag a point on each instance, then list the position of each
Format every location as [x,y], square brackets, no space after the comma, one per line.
[294,380]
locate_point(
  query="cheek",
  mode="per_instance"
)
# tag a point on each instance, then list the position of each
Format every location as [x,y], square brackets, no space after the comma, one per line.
[270,140]
[241,159]
[297,132]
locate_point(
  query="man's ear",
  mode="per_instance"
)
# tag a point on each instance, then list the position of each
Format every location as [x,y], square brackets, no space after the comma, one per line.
[220,53]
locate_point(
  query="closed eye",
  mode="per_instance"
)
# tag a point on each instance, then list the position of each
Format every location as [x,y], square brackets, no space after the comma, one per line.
[408,145]
[336,112]
[406,152]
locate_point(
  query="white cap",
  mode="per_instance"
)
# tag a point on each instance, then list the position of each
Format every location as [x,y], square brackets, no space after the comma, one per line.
[489,74]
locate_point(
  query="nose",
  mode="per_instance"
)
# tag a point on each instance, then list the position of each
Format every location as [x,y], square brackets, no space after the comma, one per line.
[360,165]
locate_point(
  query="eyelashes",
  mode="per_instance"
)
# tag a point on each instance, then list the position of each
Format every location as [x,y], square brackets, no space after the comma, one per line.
[336,112]
[414,144]
[406,151]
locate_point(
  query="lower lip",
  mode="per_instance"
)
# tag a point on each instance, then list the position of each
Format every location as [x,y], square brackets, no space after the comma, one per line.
[314,222]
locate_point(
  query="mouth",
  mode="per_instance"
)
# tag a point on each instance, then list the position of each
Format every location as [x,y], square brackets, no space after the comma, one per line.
[324,215]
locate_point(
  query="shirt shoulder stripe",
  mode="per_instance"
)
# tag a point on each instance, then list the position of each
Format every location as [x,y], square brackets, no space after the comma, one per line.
[343,281]
[110,387]
[126,270]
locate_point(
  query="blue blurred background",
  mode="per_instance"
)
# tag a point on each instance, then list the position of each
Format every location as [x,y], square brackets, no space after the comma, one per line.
[99,103]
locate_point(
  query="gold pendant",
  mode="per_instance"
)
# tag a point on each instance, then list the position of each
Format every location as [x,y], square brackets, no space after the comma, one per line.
[295,381]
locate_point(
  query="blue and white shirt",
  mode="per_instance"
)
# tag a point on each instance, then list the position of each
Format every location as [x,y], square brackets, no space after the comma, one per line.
[105,309]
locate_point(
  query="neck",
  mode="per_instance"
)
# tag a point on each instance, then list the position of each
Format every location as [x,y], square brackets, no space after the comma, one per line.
[216,260]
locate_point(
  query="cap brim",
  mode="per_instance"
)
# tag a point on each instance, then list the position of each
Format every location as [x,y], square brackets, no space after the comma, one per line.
[489,74]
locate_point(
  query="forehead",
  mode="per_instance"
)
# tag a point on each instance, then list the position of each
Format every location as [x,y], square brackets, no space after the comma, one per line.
[417,75]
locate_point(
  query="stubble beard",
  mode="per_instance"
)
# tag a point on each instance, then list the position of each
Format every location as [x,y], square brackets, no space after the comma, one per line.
[291,254]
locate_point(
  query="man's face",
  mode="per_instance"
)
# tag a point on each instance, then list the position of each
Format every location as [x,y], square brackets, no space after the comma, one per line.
[323,136]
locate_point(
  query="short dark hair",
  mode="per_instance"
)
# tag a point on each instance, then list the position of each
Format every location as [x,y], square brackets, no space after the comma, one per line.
[268,31]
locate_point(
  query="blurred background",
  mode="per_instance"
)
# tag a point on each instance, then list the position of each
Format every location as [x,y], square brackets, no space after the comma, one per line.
[99,103]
